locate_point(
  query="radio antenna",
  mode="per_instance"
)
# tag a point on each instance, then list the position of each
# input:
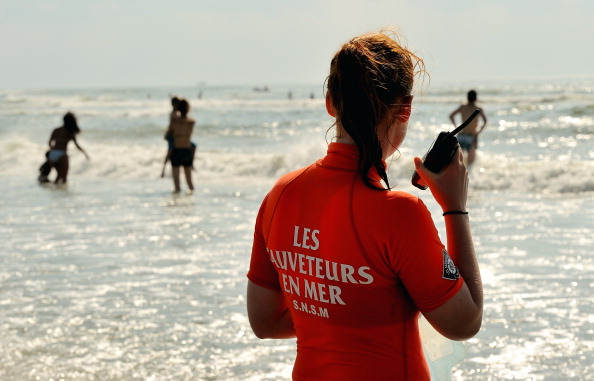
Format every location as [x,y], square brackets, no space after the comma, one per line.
[466,122]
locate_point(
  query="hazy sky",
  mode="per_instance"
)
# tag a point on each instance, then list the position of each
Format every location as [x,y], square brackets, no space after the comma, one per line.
[71,43]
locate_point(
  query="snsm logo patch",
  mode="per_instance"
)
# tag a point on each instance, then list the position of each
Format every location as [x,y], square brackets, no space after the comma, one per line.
[450,271]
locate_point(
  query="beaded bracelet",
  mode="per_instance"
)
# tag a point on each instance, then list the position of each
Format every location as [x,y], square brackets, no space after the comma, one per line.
[454,212]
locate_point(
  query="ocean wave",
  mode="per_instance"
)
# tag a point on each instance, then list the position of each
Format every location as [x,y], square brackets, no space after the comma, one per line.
[249,136]
[538,177]
[22,157]
[112,162]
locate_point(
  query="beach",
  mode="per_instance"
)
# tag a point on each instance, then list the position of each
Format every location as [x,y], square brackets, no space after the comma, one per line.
[113,277]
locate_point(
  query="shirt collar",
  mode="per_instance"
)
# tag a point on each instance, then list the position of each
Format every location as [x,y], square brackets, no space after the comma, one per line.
[341,156]
[345,157]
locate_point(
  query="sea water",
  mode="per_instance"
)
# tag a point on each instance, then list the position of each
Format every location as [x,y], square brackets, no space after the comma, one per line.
[113,277]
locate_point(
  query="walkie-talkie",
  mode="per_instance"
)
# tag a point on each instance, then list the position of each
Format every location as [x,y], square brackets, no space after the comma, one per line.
[442,151]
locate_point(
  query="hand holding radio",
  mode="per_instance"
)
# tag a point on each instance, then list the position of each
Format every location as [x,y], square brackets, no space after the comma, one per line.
[449,187]
[441,151]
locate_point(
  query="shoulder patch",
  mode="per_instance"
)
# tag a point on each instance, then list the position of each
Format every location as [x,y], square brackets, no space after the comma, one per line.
[450,271]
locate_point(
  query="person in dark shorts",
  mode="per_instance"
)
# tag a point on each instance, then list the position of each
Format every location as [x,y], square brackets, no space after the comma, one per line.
[181,128]
[170,145]
[181,157]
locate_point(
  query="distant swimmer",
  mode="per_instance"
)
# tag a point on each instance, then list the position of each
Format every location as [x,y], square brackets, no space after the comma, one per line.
[174,114]
[468,138]
[57,157]
[182,153]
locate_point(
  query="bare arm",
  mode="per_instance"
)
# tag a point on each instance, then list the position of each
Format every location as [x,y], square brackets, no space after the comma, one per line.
[453,114]
[482,115]
[268,314]
[51,139]
[80,148]
[459,318]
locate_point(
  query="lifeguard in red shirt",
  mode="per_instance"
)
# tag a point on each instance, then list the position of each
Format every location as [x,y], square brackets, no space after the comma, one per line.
[345,264]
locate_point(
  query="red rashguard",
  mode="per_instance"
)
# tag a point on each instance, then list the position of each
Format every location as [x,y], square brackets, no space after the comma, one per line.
[355,266]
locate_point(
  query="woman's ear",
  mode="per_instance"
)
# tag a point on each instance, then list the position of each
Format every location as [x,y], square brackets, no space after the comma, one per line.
[330,107]
[405,109]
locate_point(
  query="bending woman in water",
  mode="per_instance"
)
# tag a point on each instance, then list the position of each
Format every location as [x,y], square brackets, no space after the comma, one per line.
[346,264]
[58,143]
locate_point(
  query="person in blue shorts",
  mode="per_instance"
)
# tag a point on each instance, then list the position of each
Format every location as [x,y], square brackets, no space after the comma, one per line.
[468,138]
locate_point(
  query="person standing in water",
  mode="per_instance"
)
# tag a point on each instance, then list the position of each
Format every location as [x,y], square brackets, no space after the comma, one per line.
[468,138]
[344,263]
[180,129]
[169,137]
[58,144]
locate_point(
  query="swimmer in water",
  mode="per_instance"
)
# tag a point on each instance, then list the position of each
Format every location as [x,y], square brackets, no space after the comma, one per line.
[468,137]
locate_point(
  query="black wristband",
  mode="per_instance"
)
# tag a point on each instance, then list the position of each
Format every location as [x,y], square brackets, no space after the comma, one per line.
[454,212]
